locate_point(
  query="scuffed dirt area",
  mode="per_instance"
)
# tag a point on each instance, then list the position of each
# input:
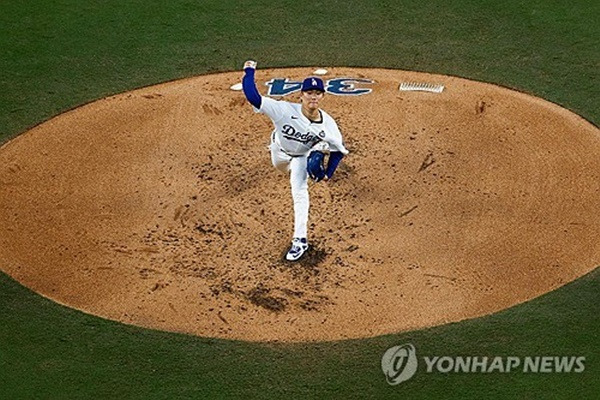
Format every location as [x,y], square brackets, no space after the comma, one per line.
[160,208]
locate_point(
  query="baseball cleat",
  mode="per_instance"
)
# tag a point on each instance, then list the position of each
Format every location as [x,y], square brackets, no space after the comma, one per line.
[299,247]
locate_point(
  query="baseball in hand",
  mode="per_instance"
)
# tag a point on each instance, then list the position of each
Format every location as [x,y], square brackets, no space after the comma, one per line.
[250,64]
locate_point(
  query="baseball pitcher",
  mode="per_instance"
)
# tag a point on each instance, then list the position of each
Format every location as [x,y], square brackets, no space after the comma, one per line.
[302,133]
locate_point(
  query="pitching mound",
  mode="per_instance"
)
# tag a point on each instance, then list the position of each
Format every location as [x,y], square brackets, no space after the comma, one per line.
[160,208]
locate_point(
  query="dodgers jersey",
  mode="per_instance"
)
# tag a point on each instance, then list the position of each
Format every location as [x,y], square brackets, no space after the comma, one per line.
[294,133]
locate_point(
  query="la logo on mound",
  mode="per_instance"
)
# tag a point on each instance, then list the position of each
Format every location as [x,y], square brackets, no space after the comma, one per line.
[399,363]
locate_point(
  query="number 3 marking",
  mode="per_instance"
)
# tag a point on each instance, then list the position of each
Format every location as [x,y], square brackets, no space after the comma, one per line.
[346,86]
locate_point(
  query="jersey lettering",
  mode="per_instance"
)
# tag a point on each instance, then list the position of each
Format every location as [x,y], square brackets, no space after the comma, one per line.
[289,132]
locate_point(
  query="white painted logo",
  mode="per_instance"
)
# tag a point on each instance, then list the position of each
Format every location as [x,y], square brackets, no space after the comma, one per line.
[399,363]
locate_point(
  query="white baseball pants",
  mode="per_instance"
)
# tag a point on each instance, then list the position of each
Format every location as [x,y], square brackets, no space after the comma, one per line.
[296,165]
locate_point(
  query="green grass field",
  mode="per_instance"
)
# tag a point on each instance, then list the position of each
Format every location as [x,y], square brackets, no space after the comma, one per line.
[61,54]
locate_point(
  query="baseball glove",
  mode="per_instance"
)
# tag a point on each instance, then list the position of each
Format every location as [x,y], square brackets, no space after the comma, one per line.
[314,165]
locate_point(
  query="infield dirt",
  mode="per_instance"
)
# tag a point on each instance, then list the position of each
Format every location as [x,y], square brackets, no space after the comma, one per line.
[159,208]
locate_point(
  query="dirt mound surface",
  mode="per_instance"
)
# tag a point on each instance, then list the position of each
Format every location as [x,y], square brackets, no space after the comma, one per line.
[160,208]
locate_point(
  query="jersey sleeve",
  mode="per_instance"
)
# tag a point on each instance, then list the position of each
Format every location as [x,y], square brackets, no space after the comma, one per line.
[249,87]
[274,109]
[334,138]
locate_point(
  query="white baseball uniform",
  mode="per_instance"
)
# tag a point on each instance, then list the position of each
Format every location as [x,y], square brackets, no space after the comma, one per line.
[291,141]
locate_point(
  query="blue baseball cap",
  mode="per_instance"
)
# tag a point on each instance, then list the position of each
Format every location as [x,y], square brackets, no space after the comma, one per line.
[313,83]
